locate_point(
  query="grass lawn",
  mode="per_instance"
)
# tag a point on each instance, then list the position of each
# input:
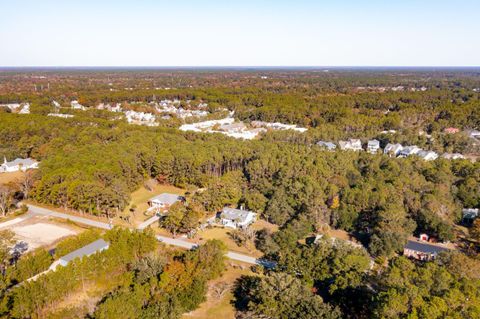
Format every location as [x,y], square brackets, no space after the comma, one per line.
[141,196]
[222,234]
[6,178]
[219,296]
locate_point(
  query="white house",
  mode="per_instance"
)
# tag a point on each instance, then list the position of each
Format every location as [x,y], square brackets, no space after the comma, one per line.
[25,109]
[409,150]
[237,218]
[164,200]
[453,156]
[18,164]
[393,149]
[352,145]
[77,106]
[327,145]
[90,249]
[428,155]
[373,146]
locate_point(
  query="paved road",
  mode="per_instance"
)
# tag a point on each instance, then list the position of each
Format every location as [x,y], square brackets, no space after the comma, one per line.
[47,212]
[148,222]
[167,240]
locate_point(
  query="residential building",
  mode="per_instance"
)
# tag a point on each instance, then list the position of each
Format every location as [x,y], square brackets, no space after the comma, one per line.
[18,164]
[351,145]
[327,145]
[393,149]
[77,106]
[164,200]
[427,155]
[237,218]
[469,215]
[409,150]
[422,250]
[90,249]
[453,156]
[373,146]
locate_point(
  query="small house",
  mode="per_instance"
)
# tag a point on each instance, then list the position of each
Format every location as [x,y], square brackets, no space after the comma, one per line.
[164,200]
[351,145]
[409,150]
[427,155]
[373,146]
[18,164]
[422,251]
[90,249]
[453,156]
[237,218]
[327,145]
[469,215]
[77,106]
[393,149]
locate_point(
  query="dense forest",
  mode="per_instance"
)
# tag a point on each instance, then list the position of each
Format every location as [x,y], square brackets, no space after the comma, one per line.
[93,162]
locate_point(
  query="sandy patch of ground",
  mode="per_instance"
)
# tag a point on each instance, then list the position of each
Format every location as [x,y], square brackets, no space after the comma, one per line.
[41,234]
[6,178]
[14,221]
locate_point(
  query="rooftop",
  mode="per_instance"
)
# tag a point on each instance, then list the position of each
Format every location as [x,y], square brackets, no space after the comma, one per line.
[167,198]
[87,250]
[235,214]
[424,247]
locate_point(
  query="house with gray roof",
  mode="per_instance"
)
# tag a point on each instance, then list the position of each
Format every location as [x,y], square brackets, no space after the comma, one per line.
[469,215]
[19,164]
[164,200]
[351,145]
[393,149]
[90,249]
[409,150]
[327,145]
[237,218]
[373,146]
[427,155]
[422,250]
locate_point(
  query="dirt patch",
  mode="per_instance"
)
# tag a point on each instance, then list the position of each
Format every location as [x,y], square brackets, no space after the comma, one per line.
[41,234]
[6,178]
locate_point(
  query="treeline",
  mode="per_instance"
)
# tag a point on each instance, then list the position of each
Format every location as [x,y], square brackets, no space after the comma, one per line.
[332,279]
[94,168]
[34,299]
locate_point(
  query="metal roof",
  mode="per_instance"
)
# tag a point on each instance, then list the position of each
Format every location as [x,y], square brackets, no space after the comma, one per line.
[424,247]
[87,250]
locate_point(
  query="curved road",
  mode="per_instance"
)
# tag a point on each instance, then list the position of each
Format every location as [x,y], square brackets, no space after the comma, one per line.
[167,240]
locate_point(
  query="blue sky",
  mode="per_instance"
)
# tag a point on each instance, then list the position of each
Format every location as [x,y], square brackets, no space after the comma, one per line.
[240,33]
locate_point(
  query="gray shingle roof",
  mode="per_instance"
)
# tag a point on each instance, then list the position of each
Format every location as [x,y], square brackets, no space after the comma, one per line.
[87,250]
[424,247]
[235,214]
[167,198]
